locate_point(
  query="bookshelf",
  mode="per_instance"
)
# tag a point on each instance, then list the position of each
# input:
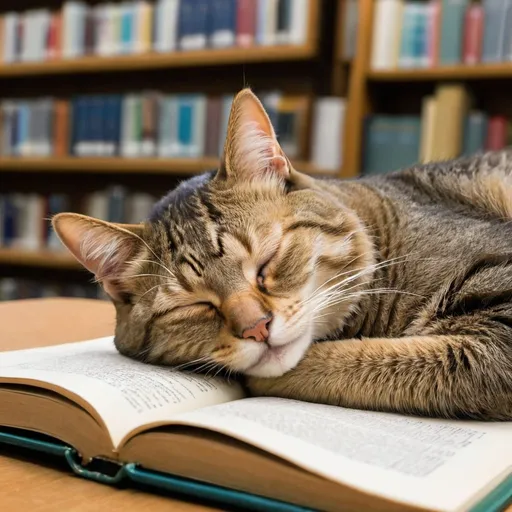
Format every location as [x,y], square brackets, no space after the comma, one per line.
[373,91]
[303,69]
[40,258]
[116,165]
[181,59]
[459,72]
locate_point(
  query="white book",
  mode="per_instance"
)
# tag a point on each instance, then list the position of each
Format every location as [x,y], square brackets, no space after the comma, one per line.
[44,22]
[386,33]
[299,22]
[32,230]
[168,128]
[198,124]
[11,20]
[27,39]
[166,25]
[100,21]
[270,21]
[73,24]
[129,143]
[138,207]
[97,205]
[328,129]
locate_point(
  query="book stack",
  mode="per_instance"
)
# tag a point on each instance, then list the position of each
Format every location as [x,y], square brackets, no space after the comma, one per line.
[153,124]
[140,26]
[24,217]
[15,289]
[447,128]
[411,34]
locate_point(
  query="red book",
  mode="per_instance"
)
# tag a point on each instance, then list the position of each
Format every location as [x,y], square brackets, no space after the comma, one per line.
[496,133]
[51,40]
[473,34]
[246,22]
[434,24]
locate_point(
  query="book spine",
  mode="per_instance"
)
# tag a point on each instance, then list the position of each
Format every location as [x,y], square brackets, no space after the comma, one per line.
[494,28]
[186,105]
[387,34]
[328,127]
[379,144]
[61,128]
[407,46]
[199,123]
[428,123]
[452,25]
[350,24]
[299,14]
[283,23]
[212,126]
[222,22]
[496,133]
[246,22]
[506,54]
[434,28]
[475,133]
[473,34]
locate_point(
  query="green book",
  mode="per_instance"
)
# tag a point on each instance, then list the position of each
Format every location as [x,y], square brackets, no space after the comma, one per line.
[475,133]
[452,30]
[116,420]
[391,143]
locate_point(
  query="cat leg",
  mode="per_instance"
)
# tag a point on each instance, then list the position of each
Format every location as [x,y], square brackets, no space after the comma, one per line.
[449,376]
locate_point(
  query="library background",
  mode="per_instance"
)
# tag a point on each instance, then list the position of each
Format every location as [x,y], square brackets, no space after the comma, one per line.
[105,106]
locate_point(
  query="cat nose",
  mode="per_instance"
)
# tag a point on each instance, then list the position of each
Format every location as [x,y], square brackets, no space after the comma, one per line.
[259,331]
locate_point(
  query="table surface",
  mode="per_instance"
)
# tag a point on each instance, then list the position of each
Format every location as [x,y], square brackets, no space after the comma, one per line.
[27,486]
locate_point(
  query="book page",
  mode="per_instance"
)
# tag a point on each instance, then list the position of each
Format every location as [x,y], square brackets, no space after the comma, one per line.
[409,459]
[125,393]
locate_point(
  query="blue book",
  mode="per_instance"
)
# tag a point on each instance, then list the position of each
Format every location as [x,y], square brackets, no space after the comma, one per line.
[495,30]
[127,27]
[186,104]
[9,222]
[475,133]
[193,24]
[80,124]
[222,23]
[96,125]
[420,36]
[22,137]
[407,56]
[261,21]
[452,31]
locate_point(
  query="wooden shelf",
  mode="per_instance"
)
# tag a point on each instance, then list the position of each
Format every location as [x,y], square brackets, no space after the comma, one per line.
[40,258]
[179,59]
[459,72]
[177,166]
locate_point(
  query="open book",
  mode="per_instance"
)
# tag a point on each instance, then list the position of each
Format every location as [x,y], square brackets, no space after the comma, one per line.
[176,424]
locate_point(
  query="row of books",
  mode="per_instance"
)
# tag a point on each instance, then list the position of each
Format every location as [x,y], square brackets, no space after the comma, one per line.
[139,26]
[152,124]
[15,289]
[24,218]
[447,128]
[409,34]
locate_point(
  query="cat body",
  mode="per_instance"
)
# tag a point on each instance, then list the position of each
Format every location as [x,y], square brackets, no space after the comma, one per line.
[390,293]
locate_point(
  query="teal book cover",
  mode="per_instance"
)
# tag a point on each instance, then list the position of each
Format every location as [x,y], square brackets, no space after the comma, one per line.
[452,30]
[475,133]
[186,105]
[380,143]
[127,28]
[406,58]
[495,29]
[407,148]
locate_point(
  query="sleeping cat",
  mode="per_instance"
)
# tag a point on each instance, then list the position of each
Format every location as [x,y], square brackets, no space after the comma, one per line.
[391,293]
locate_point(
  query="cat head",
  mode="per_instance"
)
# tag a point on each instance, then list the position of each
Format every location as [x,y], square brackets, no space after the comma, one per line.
[236,268]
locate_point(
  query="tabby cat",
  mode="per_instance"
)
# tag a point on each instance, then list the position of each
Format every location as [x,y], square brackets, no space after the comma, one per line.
[391,293]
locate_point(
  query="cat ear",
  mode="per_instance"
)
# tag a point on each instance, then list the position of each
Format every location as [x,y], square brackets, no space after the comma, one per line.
[101,247]
[251,149]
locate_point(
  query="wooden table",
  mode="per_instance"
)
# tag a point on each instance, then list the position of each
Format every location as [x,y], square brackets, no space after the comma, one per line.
[26,486]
